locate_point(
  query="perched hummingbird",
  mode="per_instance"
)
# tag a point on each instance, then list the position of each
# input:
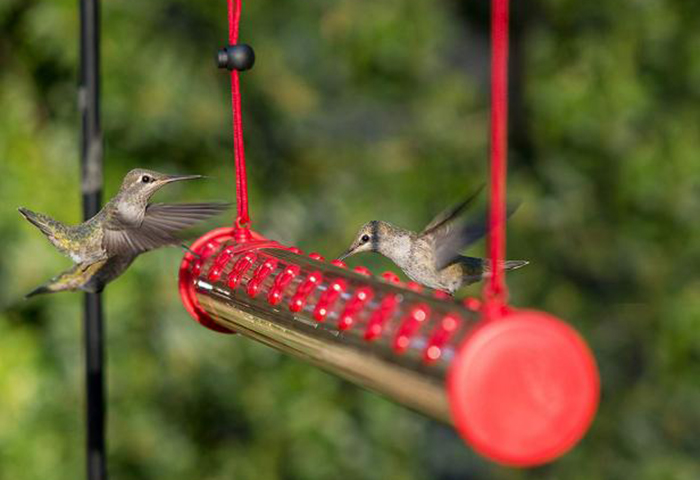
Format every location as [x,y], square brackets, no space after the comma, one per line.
[431,257]
[105,245]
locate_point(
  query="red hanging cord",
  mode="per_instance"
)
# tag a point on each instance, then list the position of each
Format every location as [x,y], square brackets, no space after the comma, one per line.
[242,219]
[495,291]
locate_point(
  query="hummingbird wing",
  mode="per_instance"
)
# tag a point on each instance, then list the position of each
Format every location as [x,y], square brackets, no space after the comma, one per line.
[441,224]
[161,225]
[449,240]
[172,218]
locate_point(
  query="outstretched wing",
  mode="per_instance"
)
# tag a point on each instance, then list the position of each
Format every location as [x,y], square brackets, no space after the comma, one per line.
[441,224]
[449,241]
[161,225]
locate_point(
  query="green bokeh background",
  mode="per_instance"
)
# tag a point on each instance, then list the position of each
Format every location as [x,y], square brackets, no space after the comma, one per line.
[355,110]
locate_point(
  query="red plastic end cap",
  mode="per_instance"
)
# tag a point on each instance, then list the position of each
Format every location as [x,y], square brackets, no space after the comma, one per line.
[187,276]
[523,389]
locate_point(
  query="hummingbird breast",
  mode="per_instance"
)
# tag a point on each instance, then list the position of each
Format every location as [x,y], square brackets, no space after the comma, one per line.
[419,264]
[130,211]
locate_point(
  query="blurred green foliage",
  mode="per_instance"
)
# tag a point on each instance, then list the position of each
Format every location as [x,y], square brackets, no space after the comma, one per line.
[356,110]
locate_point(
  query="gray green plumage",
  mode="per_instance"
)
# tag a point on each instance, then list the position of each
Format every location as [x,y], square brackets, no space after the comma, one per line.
[104,246]
[431,257]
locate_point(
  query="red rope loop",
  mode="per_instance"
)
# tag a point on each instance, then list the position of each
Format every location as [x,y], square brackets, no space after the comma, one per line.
[495,291]
[242,219]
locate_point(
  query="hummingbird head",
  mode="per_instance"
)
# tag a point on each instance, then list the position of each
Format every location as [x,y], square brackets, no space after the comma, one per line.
[144,183]
[371,238]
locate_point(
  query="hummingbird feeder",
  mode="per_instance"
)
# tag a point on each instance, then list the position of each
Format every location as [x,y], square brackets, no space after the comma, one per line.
[520,386]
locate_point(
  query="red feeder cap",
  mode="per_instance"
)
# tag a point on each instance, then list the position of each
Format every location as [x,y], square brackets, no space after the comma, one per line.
[187,276]
[523,389]
[186,282]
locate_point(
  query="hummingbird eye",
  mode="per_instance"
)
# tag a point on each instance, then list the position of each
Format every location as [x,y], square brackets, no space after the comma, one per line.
[365,238]
[146,179]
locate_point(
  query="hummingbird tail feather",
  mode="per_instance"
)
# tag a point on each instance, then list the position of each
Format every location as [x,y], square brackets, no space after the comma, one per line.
[80,276]
[507,265]
[42,222]
[514,264]
[39,290]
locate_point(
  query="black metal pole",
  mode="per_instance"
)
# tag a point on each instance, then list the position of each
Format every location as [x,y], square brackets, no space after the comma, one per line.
[91,166]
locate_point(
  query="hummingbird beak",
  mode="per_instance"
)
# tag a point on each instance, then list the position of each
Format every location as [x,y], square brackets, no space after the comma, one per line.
[345,255]
[178,178]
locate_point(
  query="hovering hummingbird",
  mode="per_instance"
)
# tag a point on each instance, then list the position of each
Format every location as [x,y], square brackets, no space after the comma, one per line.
[431,257]
[128,225]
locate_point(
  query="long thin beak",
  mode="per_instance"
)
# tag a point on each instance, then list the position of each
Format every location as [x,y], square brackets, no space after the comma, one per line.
[178,178]
[346,254]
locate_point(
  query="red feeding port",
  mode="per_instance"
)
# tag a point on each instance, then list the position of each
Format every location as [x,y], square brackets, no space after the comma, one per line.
[410,326]
[240,268]
[260,275]
[305,289]
[391,277]
[363,270]
[281,283]
[354,306]
[380,317]
[328,299]
[440,336]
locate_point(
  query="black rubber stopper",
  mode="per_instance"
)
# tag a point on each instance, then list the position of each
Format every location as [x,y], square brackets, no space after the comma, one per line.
[236,57]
